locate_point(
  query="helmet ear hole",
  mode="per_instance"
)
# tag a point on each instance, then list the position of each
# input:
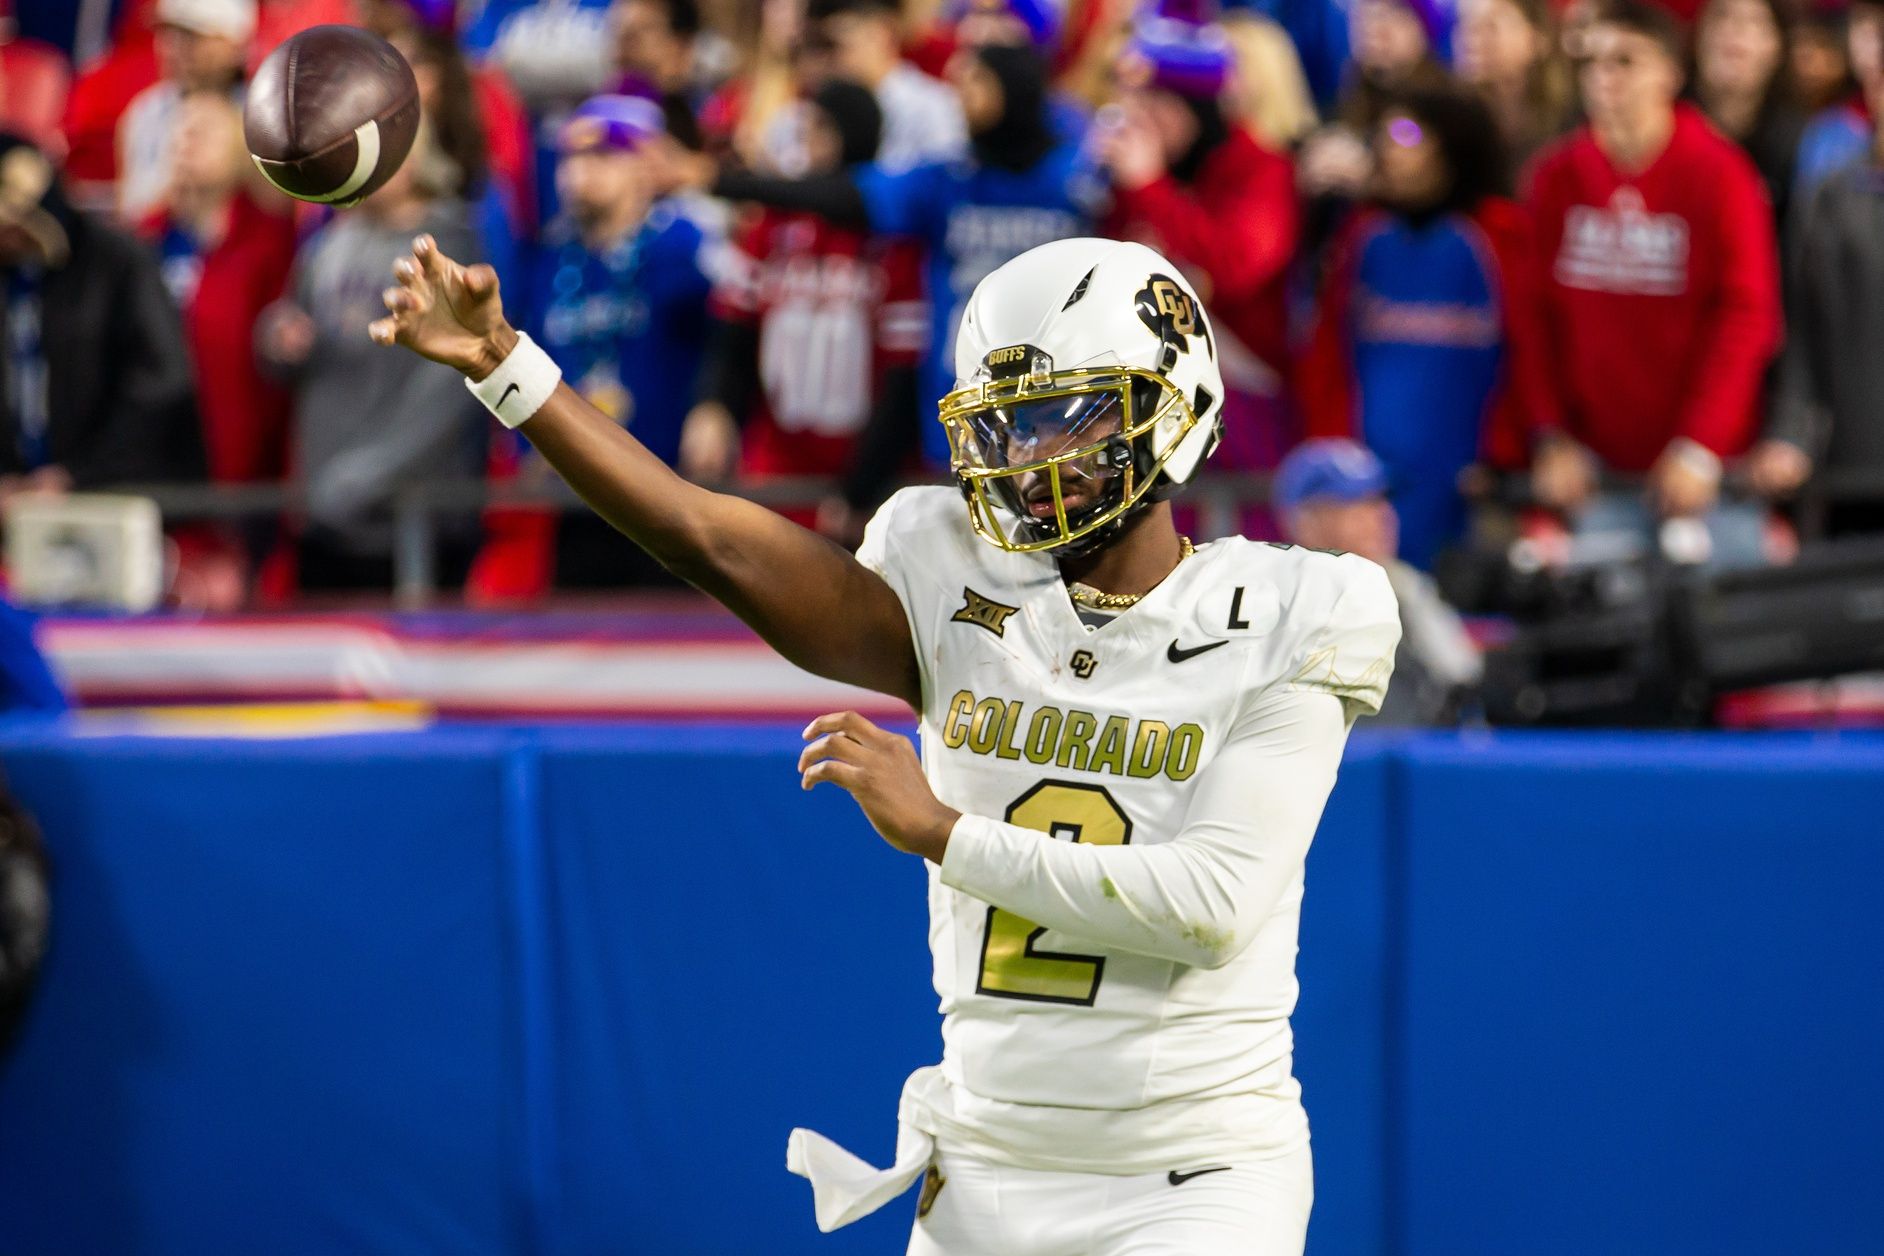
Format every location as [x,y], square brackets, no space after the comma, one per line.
[1201,402]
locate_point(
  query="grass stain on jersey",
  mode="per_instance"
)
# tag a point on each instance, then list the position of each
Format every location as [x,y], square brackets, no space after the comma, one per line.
[1208,938]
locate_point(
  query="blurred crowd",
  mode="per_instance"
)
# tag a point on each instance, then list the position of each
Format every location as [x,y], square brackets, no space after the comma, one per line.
[1613,266]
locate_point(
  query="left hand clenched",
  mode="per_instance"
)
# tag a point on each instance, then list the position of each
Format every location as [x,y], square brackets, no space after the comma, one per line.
[882,772]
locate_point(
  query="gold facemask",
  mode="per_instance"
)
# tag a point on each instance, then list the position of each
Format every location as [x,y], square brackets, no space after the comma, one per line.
[1032,439]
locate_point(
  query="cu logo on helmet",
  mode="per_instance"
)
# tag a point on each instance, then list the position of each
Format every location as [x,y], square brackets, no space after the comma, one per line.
[1169,312]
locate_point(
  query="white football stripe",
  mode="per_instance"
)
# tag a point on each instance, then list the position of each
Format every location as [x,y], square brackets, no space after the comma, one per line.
[366,143]
[366,157]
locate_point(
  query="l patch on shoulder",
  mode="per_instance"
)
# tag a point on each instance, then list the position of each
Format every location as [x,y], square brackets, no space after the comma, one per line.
[983,612]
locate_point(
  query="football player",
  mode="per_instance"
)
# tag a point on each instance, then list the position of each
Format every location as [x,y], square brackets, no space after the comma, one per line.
[1127,744]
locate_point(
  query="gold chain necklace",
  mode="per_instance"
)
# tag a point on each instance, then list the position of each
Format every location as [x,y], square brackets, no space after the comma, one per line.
[1087,596]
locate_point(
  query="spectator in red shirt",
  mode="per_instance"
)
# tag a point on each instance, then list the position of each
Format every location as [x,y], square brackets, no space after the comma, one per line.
[226,256]
[1661,284]
[818,328]
[1208,196]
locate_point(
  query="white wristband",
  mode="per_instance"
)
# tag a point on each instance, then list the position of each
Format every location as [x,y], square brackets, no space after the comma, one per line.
[520,385]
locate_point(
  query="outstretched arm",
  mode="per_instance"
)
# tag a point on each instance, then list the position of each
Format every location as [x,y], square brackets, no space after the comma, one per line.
[811,601]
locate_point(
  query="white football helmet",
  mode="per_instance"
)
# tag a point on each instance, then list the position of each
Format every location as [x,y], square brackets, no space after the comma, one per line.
[1086,388]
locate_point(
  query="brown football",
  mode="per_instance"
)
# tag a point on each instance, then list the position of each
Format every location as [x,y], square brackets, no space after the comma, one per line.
[330,114]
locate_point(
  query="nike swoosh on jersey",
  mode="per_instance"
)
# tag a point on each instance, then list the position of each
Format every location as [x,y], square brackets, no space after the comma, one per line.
[510,388]
[1177,655]
[1179,1179]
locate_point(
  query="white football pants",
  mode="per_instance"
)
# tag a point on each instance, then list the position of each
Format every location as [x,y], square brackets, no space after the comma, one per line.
[1259,1208]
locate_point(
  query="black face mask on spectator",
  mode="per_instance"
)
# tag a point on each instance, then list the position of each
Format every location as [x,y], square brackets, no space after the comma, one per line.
[1212,130]
[855,116]
[1020,138]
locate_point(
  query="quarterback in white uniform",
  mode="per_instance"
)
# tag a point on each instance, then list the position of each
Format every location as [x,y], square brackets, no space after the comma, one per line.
[1127,742]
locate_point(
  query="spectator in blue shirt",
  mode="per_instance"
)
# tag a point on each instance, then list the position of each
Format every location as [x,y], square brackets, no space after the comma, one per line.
[619,291]
[619,297]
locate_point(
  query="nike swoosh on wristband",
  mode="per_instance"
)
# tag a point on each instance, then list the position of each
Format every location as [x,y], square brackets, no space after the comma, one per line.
[1177,654]
[1179,1179]
[508,389]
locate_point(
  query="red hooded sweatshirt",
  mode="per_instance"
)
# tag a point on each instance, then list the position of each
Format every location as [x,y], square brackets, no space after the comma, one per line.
[1660,293]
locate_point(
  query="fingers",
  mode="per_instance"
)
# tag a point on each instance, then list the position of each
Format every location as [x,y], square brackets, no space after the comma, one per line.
[399,302]
[836,771]
[843,722]
[435,263]
[480,282]
[837,746]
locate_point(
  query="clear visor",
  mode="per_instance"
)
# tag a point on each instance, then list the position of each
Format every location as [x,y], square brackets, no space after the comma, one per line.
[1047,460]
[1031,431]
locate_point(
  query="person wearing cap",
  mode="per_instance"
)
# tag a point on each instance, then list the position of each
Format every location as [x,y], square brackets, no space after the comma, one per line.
[1203,191]
[619,301]
[1331,494]
[200,44]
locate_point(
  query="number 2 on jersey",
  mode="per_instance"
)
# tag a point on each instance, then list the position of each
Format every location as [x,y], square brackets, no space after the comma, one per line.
[1012,965]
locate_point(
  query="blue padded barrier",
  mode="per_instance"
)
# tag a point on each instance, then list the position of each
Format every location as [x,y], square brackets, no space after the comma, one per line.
[556,993]
[734,957]
[1642,991]
[276,1015]
[1340,1022]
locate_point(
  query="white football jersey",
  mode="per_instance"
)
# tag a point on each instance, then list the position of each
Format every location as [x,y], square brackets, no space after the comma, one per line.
[1061,1052]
